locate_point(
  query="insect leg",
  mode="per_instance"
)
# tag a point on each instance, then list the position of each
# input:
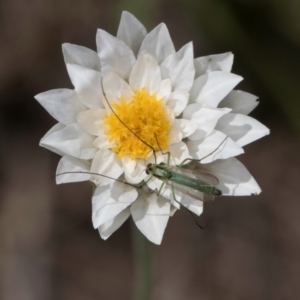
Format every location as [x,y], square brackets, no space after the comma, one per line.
[169,158]
[163,153]
[160,189]
[145,182]
[174,197]
[173,193]
[197,221]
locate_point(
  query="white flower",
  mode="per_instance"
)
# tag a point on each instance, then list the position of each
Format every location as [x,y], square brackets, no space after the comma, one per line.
[170,100]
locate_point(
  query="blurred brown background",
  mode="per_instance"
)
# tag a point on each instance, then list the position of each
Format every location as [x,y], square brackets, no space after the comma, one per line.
[251,247]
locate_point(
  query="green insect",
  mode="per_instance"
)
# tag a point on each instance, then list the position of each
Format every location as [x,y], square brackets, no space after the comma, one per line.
[195,184]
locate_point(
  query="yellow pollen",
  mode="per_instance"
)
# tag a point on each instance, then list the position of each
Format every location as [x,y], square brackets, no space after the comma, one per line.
[145,116]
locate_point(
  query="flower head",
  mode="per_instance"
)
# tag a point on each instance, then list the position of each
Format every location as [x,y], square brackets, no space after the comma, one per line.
[135,99]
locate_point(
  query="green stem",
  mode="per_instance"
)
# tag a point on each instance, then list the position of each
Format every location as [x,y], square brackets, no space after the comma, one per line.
[142,265]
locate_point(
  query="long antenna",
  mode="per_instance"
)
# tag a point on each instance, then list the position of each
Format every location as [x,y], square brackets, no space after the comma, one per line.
[104,94]
[92,173]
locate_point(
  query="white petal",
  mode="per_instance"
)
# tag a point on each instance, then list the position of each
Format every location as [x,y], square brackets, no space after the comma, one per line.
[164,90]
[151,214]
[175,136]
[131,31]
[216,145]
[192,204]
[173,210]
[81,56]
[179,152]
[71,164]
[178,101]
[234,178]
[212,87]
[145,73]
[240,102]
[134,171]
[106,163]
[218,62]
[109,200]
[159,43]
[115,55]
[169,114]
[115,88]
[129,164]
[102,142]
[179,67]
[109,227]
[242,129]
[57,127]
[61,104]
[181,128]
[87,83]
[71,140]
[186,127]
[91,120]
[204,117]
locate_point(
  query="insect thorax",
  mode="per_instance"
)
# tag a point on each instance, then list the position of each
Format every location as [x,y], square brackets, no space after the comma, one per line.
[158,171]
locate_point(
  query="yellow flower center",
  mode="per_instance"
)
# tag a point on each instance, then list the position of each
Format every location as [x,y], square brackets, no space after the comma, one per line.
[145,116]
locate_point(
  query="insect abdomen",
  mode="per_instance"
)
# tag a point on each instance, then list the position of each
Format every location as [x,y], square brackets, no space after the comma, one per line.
[196,184]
